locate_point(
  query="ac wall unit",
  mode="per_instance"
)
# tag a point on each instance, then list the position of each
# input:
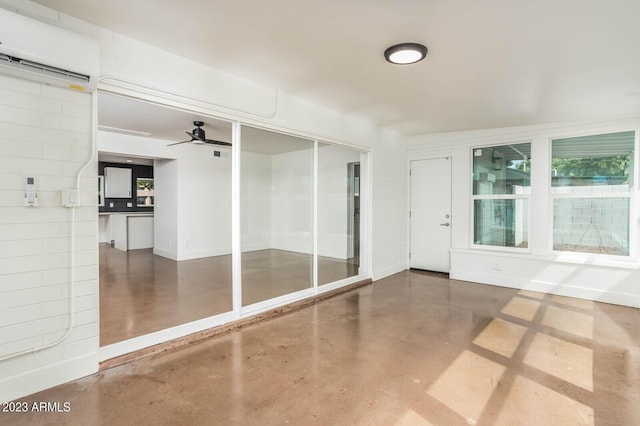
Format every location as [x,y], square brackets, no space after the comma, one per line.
[37,51]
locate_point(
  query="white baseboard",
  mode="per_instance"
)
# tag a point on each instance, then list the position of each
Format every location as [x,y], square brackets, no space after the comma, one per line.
[380,273]
[21,385]
[198,254]
[165,253]
[608,296]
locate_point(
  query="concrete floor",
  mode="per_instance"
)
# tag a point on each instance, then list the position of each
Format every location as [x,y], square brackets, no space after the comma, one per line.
[141,293]
[413,349]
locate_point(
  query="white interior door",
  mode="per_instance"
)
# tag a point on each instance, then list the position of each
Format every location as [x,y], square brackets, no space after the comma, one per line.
[431,214]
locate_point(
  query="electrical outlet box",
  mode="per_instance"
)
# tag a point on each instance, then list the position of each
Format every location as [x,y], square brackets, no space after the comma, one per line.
[70,198]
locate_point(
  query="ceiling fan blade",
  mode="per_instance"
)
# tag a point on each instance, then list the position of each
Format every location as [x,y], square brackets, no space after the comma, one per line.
[194,137]
[178,143]
[214,142]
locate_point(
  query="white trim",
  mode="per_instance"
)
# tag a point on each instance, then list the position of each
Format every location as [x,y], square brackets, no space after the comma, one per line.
[523,196]
[608,296]
[165,253]
[198,254]
[32,381]
[161,336]
[389,270]
[341,283]
[314,278]
[366,215]
[592,259]
[501,249]
[236,225]
[276,302]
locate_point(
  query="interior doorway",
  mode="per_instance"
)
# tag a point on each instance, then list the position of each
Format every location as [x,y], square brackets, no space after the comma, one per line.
[430,214]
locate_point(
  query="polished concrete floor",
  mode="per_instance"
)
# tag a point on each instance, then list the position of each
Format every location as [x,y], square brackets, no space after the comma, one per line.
[412,349]
[141,293]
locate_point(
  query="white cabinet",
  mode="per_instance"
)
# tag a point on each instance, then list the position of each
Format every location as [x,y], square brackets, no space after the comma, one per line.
[117,182]
[139,232]
[132,231]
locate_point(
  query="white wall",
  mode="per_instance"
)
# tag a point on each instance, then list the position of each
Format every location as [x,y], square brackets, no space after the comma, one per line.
[45,132]
[292,201]
[54,134]
[333,199]
[389,182]
[255,196]
[204,202]
[601,278]
[277,200]
[165,210]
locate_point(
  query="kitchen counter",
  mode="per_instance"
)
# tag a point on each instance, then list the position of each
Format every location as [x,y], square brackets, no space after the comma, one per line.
[128,230]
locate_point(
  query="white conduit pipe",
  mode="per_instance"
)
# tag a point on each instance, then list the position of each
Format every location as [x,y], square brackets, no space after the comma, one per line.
[173,96]
[72,248]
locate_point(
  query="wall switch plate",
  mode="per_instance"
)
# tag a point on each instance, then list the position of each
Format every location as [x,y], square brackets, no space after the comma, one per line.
[70,197]
[129,204]
[110,205]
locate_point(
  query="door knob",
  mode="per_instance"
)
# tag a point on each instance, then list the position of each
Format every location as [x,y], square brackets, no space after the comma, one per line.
[444,224]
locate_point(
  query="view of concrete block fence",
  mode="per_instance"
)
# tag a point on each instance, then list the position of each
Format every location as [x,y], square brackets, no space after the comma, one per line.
[592,225]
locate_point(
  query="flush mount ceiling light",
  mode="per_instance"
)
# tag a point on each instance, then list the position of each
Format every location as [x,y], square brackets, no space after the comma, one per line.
[405,53]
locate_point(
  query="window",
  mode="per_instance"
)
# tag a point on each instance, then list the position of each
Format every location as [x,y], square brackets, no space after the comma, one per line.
[144,192]
[501,190]
[591,187]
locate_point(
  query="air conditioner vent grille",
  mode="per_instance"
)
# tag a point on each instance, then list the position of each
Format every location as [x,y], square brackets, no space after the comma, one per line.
[46,70]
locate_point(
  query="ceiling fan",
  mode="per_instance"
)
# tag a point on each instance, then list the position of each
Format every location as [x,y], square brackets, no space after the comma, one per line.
[198,137]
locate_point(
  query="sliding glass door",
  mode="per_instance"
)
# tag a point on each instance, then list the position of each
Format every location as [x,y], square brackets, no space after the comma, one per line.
[276,193]
[339,211]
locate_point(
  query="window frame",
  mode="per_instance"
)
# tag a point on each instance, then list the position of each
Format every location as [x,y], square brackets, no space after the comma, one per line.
[631,195]
[474,197]
[138,179]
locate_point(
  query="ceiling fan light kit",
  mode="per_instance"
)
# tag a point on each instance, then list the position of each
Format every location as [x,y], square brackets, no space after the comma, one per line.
[405,53]
[198,137]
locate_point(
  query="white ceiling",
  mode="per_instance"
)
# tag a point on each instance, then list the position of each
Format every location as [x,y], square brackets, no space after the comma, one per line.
[158,121]
[126,115]
[491,63]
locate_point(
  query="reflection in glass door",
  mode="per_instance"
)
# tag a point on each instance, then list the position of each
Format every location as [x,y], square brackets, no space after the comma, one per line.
[339,186]
[179,214]
[276,179]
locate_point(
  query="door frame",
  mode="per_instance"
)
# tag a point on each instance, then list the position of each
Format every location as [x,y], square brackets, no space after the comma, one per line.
[353,231]
[416,156]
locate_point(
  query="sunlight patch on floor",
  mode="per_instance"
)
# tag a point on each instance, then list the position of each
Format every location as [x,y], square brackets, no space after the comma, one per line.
[522,308]
[570,321]
[533,294]
[564,360]
[411,418]
[500,336]
[467,384]
[572,301]
[524,402]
